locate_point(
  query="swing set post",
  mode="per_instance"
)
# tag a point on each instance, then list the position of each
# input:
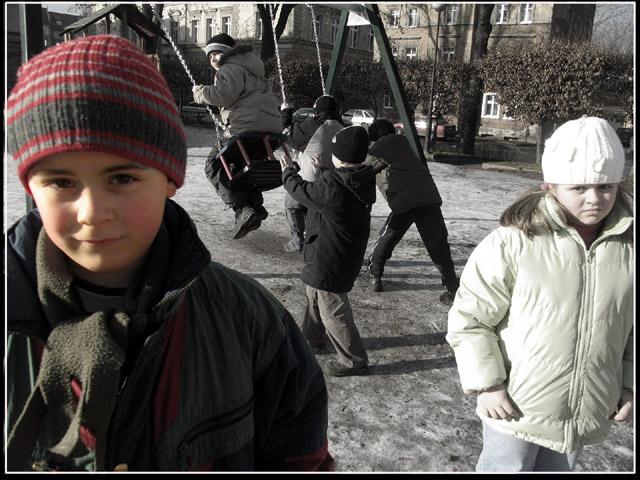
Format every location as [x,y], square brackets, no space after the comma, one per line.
[373,15]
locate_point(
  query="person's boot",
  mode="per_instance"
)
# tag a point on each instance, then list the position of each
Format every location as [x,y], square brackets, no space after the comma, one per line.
[246,220]
[375,283]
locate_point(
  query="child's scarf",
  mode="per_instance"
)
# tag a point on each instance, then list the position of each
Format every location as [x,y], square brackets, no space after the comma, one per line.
[86,350]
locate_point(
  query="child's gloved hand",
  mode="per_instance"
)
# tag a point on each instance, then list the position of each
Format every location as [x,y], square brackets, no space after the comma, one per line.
[494,403]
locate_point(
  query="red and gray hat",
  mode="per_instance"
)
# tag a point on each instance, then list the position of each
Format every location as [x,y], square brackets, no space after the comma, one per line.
[99,93]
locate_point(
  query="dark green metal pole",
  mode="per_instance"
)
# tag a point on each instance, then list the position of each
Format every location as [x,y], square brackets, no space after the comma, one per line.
[386,57]
[338,53]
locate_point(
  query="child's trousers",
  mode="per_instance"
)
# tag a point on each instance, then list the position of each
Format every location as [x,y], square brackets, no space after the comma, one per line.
[504,453]
[331,313]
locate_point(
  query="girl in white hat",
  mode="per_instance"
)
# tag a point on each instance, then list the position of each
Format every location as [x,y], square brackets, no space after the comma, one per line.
[542,322]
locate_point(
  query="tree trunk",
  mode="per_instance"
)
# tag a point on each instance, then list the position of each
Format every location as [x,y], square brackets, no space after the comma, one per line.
[469,115]
[268,46]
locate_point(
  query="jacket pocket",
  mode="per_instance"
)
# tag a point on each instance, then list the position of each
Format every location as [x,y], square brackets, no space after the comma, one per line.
[217,437]
[310,252]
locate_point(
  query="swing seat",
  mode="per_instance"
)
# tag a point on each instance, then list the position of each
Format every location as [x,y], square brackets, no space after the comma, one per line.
[249,162]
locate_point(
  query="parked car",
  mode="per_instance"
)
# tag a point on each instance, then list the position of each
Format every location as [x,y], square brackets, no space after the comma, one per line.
[444,130]
[357,117]
[302,114]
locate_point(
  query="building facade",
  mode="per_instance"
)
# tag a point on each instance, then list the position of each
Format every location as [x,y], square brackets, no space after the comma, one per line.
[412,28]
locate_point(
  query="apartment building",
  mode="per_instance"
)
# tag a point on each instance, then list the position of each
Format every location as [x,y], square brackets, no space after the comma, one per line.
[412,28]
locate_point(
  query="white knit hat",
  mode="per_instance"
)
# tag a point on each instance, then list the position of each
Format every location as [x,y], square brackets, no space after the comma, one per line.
[586,151]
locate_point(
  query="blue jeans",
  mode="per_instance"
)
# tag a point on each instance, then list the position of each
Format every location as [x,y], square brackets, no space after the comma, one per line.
[504,453]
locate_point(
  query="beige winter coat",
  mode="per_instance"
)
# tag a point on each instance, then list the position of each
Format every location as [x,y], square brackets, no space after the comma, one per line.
[242,93]
[552,319]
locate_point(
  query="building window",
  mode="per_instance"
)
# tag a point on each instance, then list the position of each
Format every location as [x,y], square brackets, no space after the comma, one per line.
[394,50]
[334,30]
[451,14]
[410,53]
[318,28]
[259,29]
[195,29]
[354,37]
[210,28]
[502,13]
[448,52]
[526,13]
[386,100]
[226,25]
[394,18]
[490,107]
[371,40]
[414,17]
[174,31]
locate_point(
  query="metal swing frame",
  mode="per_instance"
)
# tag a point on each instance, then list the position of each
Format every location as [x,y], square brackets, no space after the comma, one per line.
[371,13]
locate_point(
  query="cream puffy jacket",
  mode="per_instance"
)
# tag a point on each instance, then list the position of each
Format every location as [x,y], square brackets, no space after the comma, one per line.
[552,319]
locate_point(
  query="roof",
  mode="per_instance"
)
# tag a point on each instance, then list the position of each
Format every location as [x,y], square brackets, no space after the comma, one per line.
[135,19]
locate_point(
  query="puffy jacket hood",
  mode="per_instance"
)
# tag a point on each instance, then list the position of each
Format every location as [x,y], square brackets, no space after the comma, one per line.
[241,56]
[358,180]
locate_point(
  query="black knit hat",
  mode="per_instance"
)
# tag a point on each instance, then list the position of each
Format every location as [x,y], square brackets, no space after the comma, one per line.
[219,43]
[351,144]
[325,103]
[380,128]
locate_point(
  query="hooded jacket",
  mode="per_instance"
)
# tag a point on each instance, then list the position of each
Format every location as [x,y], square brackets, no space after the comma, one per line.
[337,225]
[243,94]
[404,181]
[553,320]
[225,382]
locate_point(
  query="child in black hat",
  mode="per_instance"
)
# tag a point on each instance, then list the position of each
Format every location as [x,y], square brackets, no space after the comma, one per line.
[337,231]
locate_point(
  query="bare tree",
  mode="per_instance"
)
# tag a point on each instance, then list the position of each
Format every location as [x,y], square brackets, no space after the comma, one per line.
[265,10]
[613,27]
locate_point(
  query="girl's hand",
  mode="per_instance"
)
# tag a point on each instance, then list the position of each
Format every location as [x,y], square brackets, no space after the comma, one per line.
[625,412]
[494,403]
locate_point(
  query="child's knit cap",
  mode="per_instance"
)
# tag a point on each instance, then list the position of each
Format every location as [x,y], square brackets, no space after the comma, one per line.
[325,103]
[380,128]
[585,151]
[101,94]
[219,43]
[351,144]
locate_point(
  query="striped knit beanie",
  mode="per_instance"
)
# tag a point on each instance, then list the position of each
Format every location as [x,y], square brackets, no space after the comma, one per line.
[100,94]
[219,43]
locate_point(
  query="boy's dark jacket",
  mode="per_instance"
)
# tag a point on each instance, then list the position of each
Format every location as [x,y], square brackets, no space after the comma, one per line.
[225,383]
[337,225]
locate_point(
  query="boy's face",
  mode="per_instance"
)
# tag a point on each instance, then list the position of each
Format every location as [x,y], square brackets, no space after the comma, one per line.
[585,205]
[214,59]
[103,211]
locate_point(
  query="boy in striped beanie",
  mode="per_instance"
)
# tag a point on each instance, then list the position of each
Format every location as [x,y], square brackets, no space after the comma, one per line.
[113,304]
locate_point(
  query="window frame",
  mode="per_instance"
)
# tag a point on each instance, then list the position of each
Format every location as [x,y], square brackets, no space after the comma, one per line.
[452,14]
[525,13]
[226,24]
[410,53]
[489,99]
[502,13]
[413,20]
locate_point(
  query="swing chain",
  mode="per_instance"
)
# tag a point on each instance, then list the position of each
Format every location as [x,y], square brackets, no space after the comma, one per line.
[186,69]
[275,42]
[315,36]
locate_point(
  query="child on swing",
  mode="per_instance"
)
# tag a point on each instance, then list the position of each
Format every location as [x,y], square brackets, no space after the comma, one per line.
[246,103]
[542,322]
[125,342]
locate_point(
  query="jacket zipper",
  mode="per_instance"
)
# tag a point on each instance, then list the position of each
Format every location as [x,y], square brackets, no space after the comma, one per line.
[215,424]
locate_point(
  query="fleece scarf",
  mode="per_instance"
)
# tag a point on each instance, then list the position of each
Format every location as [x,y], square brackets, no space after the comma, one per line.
[85,354]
